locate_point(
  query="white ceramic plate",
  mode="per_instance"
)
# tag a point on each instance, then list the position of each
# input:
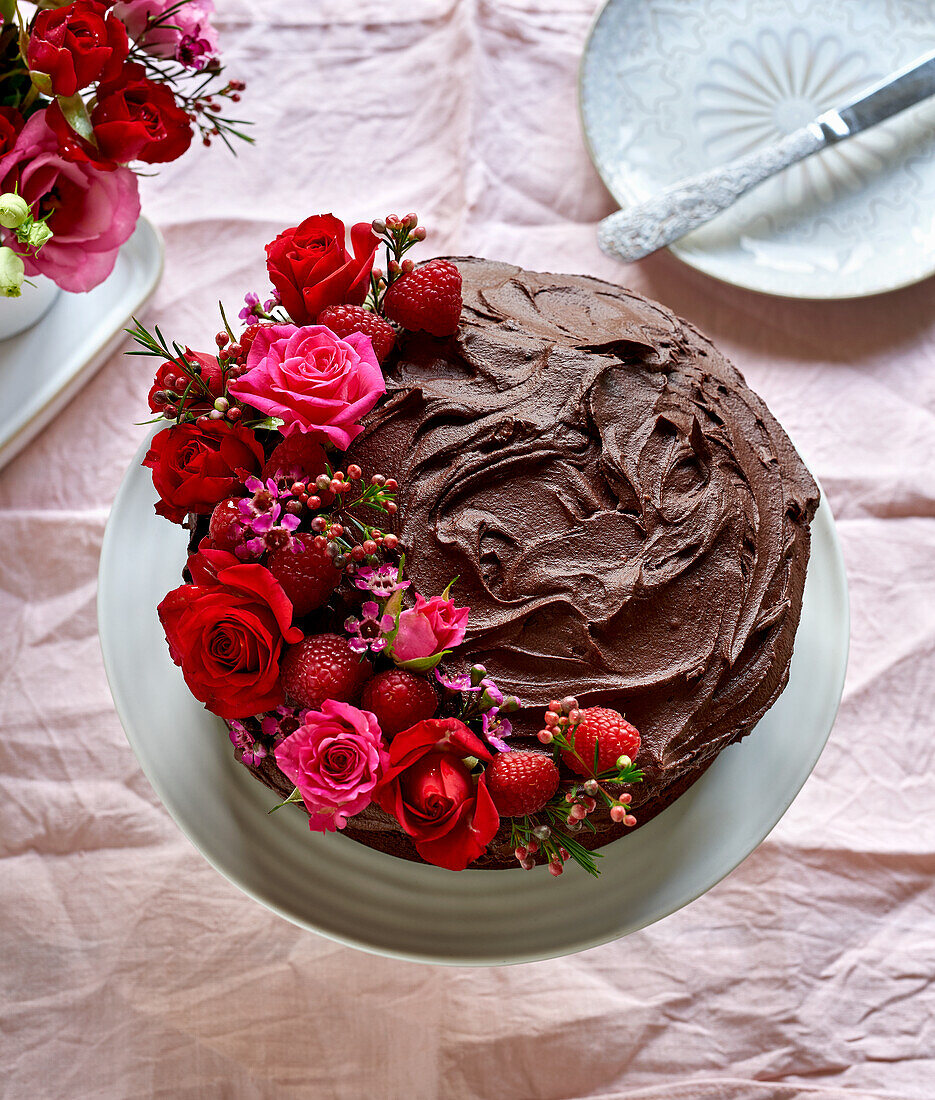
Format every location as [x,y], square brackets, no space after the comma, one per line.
[345,891]
[670,88]
[44,367]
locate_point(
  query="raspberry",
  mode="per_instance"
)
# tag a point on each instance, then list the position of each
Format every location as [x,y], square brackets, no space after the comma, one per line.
[428,298]
[343,320]
[307,575]
[521,782]
[399,700]
[297,458]
[607,729]
[247,337]
[225,525]
[323,667]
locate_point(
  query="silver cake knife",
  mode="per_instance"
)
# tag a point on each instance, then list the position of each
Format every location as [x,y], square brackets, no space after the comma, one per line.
[636,232]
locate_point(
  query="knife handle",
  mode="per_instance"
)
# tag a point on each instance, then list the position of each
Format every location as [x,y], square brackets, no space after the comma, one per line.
[633,233]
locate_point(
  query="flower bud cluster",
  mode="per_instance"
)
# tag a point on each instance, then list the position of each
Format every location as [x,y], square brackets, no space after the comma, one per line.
[30,232]
[398,234]
[347,540]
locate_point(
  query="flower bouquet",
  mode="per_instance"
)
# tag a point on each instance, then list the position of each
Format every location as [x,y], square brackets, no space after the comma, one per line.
[89,88]
[297,623]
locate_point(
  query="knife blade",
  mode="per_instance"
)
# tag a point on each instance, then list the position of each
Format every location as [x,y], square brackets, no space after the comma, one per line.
[881,101]
[639,230]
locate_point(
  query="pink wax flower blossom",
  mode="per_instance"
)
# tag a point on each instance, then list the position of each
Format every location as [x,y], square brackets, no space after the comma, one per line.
[249,751]
[370,630]
[250,301]
[263,516]
[496,729]
[167,28]
[428,629]
[456,683]
[312,380]
[93,212]
[335,759]
[282,721]
[382,581]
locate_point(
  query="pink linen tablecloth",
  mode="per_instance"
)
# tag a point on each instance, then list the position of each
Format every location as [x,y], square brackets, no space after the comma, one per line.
[131,969]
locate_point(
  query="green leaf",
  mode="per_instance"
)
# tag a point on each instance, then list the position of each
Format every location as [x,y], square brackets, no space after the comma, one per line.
[75,114]
[42,81]
[447,591]
[8,10]
[273,423]
[294,797]
[422,664]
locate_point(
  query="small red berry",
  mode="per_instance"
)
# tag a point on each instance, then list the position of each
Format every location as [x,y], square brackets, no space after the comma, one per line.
[428,298]
[345,320]
[399,699]
[322,667]
[521,782]
[354,472]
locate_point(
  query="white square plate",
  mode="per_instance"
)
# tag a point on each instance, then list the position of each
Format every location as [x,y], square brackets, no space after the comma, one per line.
[43,368]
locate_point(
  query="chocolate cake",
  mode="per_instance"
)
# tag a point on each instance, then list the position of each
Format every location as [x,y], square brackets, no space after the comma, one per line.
[626,520]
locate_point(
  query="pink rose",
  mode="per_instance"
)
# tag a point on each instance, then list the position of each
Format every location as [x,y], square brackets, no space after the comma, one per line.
[312,380]
[185,33]
[335,759]
[93,212]
[428,629]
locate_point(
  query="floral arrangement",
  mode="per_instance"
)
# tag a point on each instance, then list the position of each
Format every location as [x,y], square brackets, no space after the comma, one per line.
[297,623]
[89,88]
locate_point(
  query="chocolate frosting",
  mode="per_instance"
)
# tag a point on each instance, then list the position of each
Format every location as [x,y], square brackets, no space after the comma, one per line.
[625,519]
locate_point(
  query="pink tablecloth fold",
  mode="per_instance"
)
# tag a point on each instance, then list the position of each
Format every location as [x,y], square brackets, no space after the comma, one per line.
[130,969]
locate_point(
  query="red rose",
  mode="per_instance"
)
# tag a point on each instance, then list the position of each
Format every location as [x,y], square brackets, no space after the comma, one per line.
[71,145]
[197,465]
[207,561]
[311,267]
[201,398]
[430,791]
[11,122]
[76,45]
[227,635]
[136,119]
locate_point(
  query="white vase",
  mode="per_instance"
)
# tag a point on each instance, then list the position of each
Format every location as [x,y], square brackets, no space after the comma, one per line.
[19,314]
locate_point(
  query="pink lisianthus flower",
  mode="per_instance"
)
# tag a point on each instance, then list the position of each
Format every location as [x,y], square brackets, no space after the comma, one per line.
[93,212]
[427,630]
[185,34]
[312,380]
[335,759]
